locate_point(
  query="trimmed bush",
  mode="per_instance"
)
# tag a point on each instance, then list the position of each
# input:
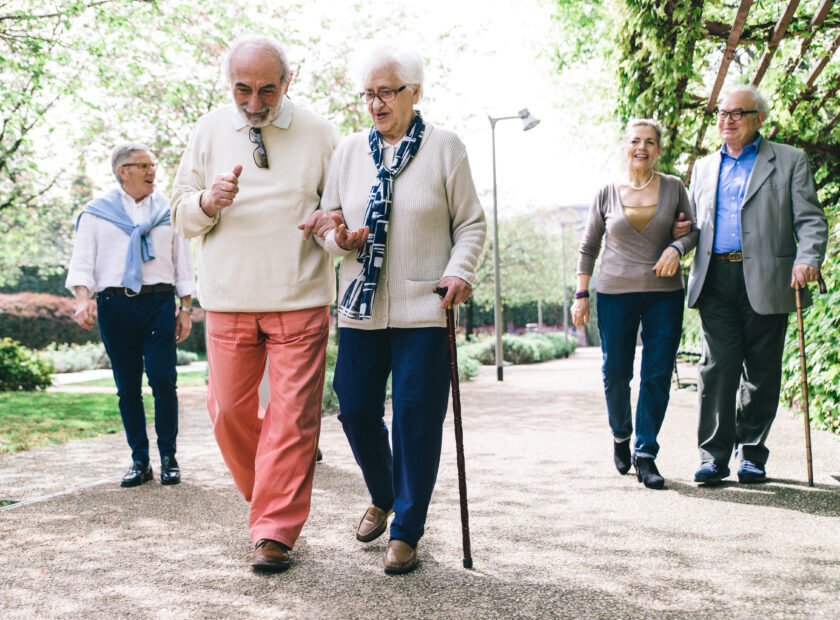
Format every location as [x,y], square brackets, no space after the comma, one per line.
[75,357]
[526,349]
[35,320]
[22,369]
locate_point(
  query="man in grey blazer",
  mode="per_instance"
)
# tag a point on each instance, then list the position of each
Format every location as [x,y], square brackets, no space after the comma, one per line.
[762,231]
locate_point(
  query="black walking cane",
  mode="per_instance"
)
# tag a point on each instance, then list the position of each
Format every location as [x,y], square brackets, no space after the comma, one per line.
[804,368]
[459,432]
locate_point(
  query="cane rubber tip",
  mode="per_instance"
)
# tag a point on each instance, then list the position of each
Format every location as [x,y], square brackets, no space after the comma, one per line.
[467,562]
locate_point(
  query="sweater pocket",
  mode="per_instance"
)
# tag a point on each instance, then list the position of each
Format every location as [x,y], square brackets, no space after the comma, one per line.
[419,303]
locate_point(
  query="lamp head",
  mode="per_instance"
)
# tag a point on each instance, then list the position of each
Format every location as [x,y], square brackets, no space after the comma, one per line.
[528,120]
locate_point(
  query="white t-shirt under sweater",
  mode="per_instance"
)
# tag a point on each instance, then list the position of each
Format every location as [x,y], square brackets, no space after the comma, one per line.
[436,227]
[251,255]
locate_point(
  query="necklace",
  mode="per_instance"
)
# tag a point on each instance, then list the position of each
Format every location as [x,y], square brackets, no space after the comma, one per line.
[641,187]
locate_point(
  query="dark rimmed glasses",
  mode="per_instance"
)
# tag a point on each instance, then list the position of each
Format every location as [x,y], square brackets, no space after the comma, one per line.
[385,95]
[735,115]
[260,156]
[142,165]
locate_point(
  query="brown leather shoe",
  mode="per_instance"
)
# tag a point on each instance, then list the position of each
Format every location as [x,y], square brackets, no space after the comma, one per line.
[270,556]
[400,557]
[372,525]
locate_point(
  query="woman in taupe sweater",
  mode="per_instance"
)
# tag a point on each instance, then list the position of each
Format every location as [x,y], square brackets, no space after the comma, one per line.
[639,282]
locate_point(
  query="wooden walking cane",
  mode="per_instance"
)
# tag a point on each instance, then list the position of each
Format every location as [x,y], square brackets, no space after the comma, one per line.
[459,432]
[804,368]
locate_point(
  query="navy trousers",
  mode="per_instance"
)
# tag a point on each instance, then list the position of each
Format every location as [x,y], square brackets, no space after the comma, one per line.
[418,361]
[136,331]
[661,315]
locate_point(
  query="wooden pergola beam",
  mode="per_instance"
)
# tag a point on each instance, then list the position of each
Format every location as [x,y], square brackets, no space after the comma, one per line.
[778,34]
[805,95]
[816,22]
[763,32]
[729,52]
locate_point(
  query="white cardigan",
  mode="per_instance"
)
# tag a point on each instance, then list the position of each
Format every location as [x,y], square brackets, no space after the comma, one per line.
[436,229]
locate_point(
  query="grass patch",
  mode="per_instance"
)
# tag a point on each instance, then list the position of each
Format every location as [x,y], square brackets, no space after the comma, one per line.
[32,419]
[185,379]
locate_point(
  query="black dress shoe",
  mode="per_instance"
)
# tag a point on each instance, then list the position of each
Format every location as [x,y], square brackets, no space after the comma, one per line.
[621,456]
[319,457]
[646,472]
[137,475]
[169,471]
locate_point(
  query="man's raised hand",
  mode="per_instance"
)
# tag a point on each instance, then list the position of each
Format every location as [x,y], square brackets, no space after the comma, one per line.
[222,192]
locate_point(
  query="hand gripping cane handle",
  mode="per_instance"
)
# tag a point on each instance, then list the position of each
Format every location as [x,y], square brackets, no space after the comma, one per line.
[459,432]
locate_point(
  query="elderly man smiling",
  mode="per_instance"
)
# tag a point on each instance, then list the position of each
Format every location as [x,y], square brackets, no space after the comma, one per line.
[762,232]
[252,172]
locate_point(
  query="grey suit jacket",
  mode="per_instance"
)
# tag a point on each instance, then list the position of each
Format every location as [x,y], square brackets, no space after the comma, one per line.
[782,224]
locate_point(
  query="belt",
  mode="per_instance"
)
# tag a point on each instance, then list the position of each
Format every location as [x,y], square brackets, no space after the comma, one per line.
[144,290]
[731,257]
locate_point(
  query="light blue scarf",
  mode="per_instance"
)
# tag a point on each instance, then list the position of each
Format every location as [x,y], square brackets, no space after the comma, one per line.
[140,249]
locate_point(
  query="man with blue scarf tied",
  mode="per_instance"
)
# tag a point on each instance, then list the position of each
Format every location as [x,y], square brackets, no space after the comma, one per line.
[127,253]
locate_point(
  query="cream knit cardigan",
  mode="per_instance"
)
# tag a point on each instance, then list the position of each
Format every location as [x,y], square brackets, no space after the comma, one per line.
[436,229]
[251,256]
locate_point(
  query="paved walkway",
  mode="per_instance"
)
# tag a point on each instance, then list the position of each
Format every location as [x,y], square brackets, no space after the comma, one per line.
[556,531]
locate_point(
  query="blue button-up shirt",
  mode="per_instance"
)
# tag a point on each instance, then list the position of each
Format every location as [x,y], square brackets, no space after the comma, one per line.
[732,185]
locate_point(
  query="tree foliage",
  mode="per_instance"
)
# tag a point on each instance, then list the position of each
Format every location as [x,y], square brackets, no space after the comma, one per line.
[82,75]
[530,261]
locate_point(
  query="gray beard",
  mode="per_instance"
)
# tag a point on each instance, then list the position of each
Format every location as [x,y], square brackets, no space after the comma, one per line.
[273,113]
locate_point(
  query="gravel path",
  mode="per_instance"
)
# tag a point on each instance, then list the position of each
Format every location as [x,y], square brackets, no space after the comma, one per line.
[556,532]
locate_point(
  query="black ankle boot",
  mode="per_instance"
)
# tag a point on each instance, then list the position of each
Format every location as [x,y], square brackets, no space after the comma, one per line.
[646,472]
[621,456]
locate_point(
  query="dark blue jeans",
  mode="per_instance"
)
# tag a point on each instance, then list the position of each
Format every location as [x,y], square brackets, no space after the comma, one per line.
[138,330]
[418,360]
[619,316]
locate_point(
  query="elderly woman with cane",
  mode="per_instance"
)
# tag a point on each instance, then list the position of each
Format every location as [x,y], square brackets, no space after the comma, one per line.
[406,191]
[640,281]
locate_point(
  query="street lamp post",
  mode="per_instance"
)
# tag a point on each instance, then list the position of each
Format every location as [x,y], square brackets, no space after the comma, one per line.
[528,122]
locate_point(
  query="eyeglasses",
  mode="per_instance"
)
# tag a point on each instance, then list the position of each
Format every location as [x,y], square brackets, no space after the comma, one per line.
[384,94]
[143,166]
[735,115]
[260,156]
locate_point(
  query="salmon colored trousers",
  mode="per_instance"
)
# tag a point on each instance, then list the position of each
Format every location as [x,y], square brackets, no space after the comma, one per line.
[272,456]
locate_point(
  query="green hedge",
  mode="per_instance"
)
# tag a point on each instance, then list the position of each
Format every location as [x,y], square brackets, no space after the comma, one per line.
[525,349]
[37,320]
[22,369]
[822,355]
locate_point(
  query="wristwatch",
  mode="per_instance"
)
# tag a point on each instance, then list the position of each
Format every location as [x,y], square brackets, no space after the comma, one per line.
[186,309]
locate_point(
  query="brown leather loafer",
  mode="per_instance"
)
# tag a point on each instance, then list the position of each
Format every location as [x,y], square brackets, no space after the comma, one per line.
[270,556]
[372,525]
[400,558]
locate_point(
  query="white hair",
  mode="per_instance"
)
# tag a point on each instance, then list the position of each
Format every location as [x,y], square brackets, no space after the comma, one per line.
[261,42]
[407,62]
[122,152]
[758,99]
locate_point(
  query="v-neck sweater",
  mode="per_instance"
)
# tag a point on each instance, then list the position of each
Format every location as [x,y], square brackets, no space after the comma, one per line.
[629,255]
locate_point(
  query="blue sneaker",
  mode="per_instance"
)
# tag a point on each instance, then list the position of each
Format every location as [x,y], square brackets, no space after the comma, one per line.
[711,474]
[751,472]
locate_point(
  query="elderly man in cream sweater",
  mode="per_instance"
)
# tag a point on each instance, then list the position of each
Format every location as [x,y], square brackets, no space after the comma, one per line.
[252,172]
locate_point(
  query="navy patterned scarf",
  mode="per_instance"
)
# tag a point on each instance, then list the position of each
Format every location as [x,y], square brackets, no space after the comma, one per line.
[357,302]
